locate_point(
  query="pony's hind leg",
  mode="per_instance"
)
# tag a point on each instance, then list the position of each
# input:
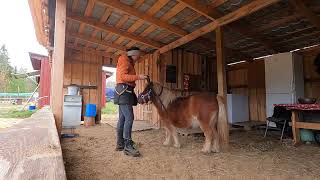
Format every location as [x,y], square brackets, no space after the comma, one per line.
[208,139]
[216,144]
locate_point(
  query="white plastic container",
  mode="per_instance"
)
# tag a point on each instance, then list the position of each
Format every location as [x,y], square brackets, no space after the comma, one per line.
[73,90]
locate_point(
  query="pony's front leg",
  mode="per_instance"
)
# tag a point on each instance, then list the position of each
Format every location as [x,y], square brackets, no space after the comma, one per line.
[167,142]
[175,138]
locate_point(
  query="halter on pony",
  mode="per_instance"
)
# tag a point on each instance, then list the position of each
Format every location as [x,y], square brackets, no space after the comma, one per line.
[146,96]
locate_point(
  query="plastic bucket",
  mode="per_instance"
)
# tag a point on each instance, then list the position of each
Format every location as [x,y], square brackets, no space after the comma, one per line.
[91,110]
[32,107]
[73,90]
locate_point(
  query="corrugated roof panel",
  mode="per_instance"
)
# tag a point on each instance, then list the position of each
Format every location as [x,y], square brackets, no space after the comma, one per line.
[146,5]
[301,24]
[98,11]
[125,42]
[181,15]
[165,8]
[114,18]
[75,26]
[88,30]
[129,22]
[232,5]
[197,23]
[69,4]
[142,28]
[155,33]
[82,6]
[114,37]
[276,7]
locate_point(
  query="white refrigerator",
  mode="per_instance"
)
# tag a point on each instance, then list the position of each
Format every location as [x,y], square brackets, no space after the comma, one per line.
[284,79]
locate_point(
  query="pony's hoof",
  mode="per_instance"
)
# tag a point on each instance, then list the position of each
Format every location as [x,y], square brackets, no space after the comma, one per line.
[166,143]
[206,151]
[216,150]
[177,145]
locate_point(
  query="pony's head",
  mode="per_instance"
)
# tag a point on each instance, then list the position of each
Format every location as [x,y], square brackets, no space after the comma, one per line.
[146,95]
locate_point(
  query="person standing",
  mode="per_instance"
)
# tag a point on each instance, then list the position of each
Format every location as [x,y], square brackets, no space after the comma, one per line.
[126,98]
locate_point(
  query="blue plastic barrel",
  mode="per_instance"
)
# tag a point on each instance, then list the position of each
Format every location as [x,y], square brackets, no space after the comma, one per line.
[32,107]
[91,110]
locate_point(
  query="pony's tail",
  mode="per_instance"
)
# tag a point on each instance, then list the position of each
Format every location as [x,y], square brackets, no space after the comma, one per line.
[222,125]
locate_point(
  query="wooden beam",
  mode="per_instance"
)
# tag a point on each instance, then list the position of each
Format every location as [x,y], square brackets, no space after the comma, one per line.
[213,14]
[133,12]
[97,41]
[201,9]
[231,17]
[75,5]
[106,15]
[155,8]
[122,21]
[138,3]
[104,27]
[217,3]
[58,62]
[89,8]
[306,12]
[172,12]
[77,48]
[222,84]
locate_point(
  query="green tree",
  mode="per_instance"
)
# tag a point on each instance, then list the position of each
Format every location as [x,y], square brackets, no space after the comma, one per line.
[8,82]
[5,68]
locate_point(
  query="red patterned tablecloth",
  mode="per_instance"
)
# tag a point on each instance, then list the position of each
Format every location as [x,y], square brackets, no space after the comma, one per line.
[304,107]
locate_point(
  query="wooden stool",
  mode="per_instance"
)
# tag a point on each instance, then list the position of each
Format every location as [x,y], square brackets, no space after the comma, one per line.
[89,121]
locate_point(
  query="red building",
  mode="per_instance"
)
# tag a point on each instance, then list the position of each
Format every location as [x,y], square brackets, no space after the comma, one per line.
[41,63]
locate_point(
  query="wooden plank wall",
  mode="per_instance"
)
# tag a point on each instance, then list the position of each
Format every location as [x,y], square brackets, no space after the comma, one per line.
[85,68]
[248,79]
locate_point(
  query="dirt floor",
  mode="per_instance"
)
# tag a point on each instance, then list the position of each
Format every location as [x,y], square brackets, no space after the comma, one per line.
[92,156]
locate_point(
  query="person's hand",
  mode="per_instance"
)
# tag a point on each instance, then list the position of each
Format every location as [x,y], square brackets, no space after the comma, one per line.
[142,77]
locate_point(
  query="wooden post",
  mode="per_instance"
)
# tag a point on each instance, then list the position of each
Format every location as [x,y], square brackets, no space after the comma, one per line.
[295,129]
[58,62]
[222,84]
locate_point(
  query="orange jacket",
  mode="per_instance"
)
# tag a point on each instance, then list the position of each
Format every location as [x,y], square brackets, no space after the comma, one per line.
[125,71]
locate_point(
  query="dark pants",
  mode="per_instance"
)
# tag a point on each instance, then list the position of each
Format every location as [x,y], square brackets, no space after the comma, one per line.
[124,126]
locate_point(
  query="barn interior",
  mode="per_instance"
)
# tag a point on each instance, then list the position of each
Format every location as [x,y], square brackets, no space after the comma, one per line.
[192,46]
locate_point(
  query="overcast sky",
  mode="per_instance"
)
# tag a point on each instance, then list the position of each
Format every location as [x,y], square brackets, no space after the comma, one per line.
[17,32]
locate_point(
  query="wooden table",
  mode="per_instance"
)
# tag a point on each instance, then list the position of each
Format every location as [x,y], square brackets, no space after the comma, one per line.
[296,123]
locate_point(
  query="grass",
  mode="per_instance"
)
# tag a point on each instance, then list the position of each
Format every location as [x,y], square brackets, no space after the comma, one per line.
[13,111]
[110,109]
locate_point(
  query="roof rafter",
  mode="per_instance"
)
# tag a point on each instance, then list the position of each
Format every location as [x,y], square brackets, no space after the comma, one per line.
[104,27]
[97,41]
[212,14]
[133,12]
[306,12]
[231,17]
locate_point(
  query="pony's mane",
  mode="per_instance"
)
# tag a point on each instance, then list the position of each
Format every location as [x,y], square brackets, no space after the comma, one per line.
[169,96]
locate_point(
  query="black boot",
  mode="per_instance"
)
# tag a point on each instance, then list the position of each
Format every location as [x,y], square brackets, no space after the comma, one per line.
[129,148]
[120,145]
